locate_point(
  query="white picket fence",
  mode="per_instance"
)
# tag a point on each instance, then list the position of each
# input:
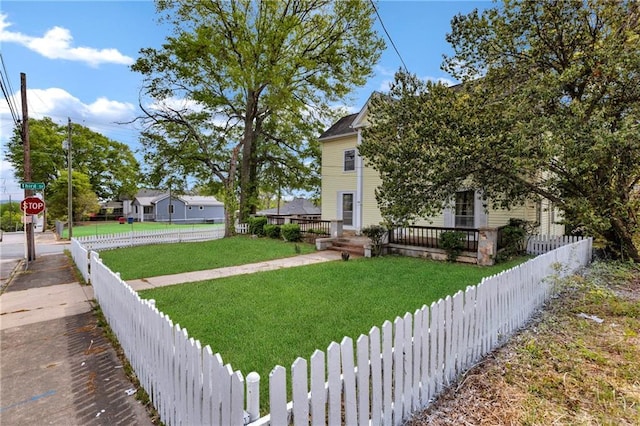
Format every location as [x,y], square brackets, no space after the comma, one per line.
[80,256]
[394,371]
[140,238]
[540,244]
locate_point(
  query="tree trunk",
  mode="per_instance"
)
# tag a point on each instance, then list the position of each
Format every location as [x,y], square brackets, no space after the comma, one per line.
[248,166]
[230,201]
[620,241]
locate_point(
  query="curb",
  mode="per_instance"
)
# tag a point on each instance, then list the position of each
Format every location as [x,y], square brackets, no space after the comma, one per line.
[12,275]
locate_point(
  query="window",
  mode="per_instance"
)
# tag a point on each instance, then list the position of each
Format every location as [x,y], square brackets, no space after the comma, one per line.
[349,160]
[347,209]
[465,201]
[148,209]
[170,208]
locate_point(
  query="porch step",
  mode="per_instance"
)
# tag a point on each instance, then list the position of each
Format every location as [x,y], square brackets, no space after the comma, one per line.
[352,246]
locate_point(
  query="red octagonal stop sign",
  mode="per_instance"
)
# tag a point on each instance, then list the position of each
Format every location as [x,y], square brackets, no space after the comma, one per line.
[32,205]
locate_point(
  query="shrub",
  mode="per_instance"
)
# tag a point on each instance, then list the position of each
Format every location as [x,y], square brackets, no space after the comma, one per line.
[256,225]
[514,238]
[453,243]
[376,234]
[291,232]
[272,231]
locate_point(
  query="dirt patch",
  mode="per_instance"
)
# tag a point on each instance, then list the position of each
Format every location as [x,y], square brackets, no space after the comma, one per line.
[577,363]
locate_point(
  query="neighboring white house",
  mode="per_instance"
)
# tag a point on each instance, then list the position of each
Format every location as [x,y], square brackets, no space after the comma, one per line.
[142,208]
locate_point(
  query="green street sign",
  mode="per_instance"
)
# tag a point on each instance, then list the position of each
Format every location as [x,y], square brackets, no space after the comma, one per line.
[36,186]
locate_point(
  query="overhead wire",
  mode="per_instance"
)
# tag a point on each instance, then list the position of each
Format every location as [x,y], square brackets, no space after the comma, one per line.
[388,35]
[7,91]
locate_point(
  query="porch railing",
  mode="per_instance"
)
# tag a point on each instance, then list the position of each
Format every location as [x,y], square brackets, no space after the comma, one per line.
[321,228]
[313,226]
[429,236]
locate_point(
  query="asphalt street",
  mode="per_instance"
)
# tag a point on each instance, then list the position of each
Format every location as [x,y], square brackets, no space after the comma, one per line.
[12,251]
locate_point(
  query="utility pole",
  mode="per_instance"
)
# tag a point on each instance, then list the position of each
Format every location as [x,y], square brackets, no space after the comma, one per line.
[69,182]
[28,226]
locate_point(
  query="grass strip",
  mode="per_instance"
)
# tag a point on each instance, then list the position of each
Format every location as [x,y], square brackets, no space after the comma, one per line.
[166,259]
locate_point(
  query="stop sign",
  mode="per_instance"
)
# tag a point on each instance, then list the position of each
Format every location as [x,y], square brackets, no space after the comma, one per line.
[32,205]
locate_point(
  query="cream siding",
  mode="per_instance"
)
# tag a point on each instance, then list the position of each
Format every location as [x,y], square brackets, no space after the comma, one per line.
[334,179]
[370,211]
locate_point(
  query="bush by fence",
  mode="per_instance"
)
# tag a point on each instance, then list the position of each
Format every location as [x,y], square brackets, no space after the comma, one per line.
[394,370]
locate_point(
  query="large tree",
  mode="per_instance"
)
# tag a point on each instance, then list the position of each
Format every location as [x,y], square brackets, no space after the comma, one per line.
[259,78]
[549,107]
[111,167]
[84,201]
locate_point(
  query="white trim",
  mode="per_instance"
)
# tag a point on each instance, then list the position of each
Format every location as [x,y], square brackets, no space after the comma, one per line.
[358,213]
[340,211]
[344,160]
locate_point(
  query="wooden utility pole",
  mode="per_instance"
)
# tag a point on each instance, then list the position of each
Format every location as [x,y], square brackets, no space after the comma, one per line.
[69,184]
[28,226]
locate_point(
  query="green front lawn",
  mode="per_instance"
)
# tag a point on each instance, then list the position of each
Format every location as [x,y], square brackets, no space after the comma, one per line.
[266,319]
[168,259]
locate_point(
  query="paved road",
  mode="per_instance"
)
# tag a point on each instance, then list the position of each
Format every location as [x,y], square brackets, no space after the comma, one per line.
[12,250]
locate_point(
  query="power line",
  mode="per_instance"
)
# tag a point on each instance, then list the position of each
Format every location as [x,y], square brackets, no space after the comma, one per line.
[388,35]
[7,90]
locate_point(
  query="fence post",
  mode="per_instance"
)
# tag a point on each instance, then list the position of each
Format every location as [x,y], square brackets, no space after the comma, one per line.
[336,228]
[253,396]
[487,246]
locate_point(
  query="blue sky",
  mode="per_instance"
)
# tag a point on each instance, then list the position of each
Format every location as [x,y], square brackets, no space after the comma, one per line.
[76,56]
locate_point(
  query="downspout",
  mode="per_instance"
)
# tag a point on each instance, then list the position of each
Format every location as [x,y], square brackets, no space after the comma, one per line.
[359,185]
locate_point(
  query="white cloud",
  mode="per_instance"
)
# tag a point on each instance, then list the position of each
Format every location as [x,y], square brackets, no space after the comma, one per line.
[100,116]
[57,43]
[60,104]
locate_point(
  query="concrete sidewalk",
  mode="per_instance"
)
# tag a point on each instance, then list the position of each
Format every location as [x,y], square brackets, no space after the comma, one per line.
[270,265]
[56,365]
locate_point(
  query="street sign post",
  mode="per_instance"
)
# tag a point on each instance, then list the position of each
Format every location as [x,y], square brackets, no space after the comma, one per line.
[34,186]
[32,205]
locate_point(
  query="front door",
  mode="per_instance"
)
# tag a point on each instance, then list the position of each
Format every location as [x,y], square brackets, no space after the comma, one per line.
[346,206]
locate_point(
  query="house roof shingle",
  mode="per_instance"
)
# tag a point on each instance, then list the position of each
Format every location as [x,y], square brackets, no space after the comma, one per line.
[297,206]
[341,127]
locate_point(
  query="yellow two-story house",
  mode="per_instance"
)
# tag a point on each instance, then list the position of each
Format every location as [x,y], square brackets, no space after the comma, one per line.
[348,190]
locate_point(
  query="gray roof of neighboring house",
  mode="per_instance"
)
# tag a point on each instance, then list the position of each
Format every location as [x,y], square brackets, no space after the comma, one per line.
[191,200]
[145,197]
[342,127]
[198,200]
[297,206]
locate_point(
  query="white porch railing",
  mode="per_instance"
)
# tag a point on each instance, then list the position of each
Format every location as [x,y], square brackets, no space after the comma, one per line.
[393,372]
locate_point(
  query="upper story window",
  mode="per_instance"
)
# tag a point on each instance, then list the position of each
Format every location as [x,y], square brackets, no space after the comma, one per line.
[349,160]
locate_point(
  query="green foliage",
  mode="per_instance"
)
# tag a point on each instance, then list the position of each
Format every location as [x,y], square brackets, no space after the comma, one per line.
[110,166]
[514,239]
[256,225]
[84,200]
[376,234]
[256,67]
[453,243]
[556,115]
[291,232]
[272,231]
[10,217]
